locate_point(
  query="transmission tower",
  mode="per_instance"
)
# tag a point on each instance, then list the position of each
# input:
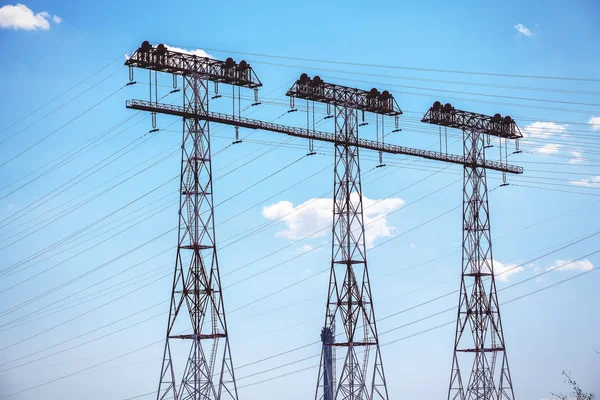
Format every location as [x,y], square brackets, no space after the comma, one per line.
[350,301]
[483,348]
[197,314]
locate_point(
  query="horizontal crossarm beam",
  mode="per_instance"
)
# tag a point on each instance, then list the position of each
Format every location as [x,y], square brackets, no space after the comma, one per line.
[316,135]
[316,89]
[492,125]
[161,59]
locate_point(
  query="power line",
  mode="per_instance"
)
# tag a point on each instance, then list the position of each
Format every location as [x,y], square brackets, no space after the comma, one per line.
[561,78]
[62,105]
[60,128]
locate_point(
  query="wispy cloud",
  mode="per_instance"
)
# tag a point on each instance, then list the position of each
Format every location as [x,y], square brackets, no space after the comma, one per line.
[577,157]
[522,30]
[595,122]
[544,130]
[570,265]
[550,148]
[592,182]
[196,52]
[22,17]
[503,272]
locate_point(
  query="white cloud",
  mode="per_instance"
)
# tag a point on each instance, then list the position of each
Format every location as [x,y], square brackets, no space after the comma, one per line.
[315,215]
[578,157]
[543,129]
[595,122]
[22,17]
[550,148]
[196,52]
[570,265]
[522,30]
[304,249]
[412,245]
[593,182]
[503,272]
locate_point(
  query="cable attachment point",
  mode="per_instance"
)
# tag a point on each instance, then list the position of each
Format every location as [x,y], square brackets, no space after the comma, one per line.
[381,164]
[130,83]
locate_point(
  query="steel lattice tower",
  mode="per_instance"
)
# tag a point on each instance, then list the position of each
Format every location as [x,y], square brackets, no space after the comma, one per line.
[349,299]
[197,314]
[479,340]
[350,302]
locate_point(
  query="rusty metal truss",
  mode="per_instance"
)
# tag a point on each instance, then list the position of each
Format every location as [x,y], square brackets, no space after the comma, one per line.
[316,89]
[161,59]
[317,135]
[480,368]
[446,115]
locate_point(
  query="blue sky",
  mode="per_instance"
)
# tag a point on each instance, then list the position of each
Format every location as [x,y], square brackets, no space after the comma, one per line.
[118,300]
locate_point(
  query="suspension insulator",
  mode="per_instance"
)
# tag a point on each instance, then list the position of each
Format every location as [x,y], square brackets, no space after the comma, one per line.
[292,102]
[153,120]
[174,81]
[130,73]
[256,95]
[216,87]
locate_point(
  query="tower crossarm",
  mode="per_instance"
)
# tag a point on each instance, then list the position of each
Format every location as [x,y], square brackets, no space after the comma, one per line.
[316,89]
[160,58]
[316,135]
[446,115]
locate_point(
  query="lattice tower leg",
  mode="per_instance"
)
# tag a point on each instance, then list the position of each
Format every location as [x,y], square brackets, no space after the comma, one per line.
[197,315]
[478,308]
[350,302]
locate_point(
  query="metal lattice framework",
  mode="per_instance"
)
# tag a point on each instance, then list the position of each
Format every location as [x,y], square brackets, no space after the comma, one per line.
[315,135]
[197,314]
[209,371]
[349,299]
[479,341]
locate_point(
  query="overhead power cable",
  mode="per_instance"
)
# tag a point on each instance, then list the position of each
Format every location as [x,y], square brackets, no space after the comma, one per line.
[359,64]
